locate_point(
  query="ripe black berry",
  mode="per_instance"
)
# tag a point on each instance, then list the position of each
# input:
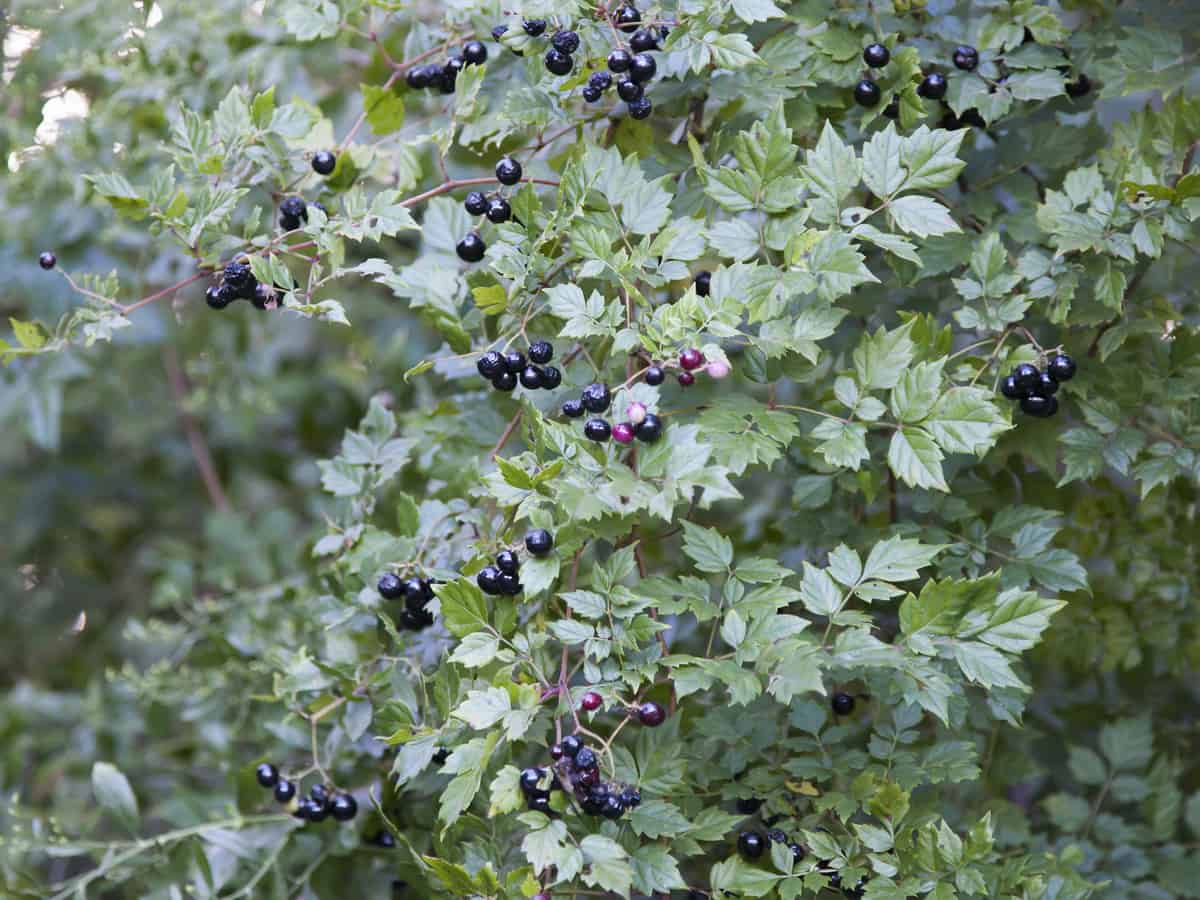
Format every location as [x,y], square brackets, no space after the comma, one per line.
[644,39]
[239,277]
[797,852]
[1080,87]
[474,53]
[627,18]
[655,376]
[390,586]
[586,758]
[703,282]
[1038,406]
[551,377]
[505,381]
[642,68]
[508,171]
[1061,366]
[596,397]
[571,745]
[509,585]
[776,836]
[876,55]
[572,409]
[892,110]
[315,810]
[1008,387]
[612,808]
[867,93]
[748,806]
[933,86]
[1047,385]
[541,352]
[556,752]
[751,844]
[285,791]
[506,561]
[498,32]
[344,807]
[534,27]
[218,297]
[842,703]
[631,797]
[416,593]
[531,378]
[488,580]
[514,361]
[601,81]
[420,77]
[559,63]
[651,714]
[490,364]
[324,162]
[966,57]
[267,775]
[449,76]
[630,91]
[47,260]
[565,41]
[292,212]
[619,61]
[498,210]
[1026,377]
[591,94]
[597,430]
[441,755]
[471,248]
[650,429]
[641,108]
[529,779]
[539,542]
[476,203]
[591,701]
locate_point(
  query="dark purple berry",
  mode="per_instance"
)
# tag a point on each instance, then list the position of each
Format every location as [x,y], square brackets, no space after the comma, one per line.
[691,359]
[641,108]
[344,807]
[591,94]
[541,352]
[285,791]
[488,580]
[390,587]
[531,378]
[703,282]
[559,63]
[601,81]
[650,429]
[966,57]
[596,397]
[644,39]
[47,260]
[651,714]
[842,703]
[1038,406]
[597,430]
[565,41]
[498,210]
[642,68]
[685,379]
[505,381]
[572,409]
[534,27]
[876,55]
[551,378]
[619,61]
[751,844]
[490,364]
[1047,385]
[1061,366]
[571,745]
[267,775]
[1026,377]
[933,86]
[1008,387]
[498,32]
[474,53]
[630,91]
[591,701]
[867,93]
[471,248]
[508,171]
[324,162]
[476,203]
[627,18]
[539,542]
[655,376]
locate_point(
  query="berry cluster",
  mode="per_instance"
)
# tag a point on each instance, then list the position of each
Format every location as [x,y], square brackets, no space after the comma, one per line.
[472,247]
[634,67]
[293,212]
[559,59]
[416,594]
[691,360]
[238,283]
[596,398]
[932,87]
[579,766]
[504,370]
[1035,389]
[442,76]
[320,804]
[503,579]
[752,844]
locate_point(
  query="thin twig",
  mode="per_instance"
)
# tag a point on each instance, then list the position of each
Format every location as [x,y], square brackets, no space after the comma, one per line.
[200,452]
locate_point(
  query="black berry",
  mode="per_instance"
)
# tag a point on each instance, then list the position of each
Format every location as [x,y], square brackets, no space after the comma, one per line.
[642,68]
[644,39]
[655,376]
[1080,87]
[797,852]
[441,755]
[531,378]
[586,759]
[1038,406]
[490,364]
[933,86]
[449,76]
[640,108]
[238,276]
[591,94]
[1026,377]
[1008,387]
[631,797]
[529,779]
[47,260]
[476,203]
[842,703]
[498,210]
[892,110]
[324,162]
[571,745]
[551,377]
[597,430]
[471,248]
[534,27]
[966,57]
[876,55]
[488,580]
[218,297]
[776,836]
[506,561]
[508,171]
[751,844]
[596,397]
[1061,366]
[612,808]
[420,77]
[630,91]
[1047,385]
[651,714]
[619,61]
[650,429]
[601,81]
[565,41]
[515,362]
[474,53]
[416,593]
[627,18]
[541,352]
[559,63]
[390,586]
[498,32]
[267,775]
[344,807]
[285,791]
[703,282]
[292,212]
[539,542]
[867,93]
[505,381]
[572,409]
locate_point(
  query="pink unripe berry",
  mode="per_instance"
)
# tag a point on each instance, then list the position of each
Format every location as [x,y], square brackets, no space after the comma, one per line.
[686,379]
[622,433]
[636,413]
[717,369]
[691,358]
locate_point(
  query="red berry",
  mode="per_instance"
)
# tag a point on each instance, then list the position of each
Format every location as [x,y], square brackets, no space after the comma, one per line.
[591,701]
[686,379]
[622,433]
[691,359]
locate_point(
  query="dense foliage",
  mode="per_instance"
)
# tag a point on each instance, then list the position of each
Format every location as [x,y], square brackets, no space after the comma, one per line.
[828,604]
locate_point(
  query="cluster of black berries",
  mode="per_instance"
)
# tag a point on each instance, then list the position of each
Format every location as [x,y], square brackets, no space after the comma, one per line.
[504,370]
[504,578]
[238,283]
[293,212]
[1035,389]
[559,59]
[442,76]
[752,844]
[596,398]
[320,804]
[472,247]
[578,765]
[416,594]
[537,797]
[932,87]
[634,67]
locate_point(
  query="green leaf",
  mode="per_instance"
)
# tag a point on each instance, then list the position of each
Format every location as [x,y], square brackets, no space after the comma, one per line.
[114,794]
[463,608]
[709,550]
[383,107]
[1128,744]
[915,458]
[882,358]
[921,216]
[918,389]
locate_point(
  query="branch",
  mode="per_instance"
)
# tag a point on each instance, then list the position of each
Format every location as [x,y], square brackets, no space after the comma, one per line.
[195,436]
